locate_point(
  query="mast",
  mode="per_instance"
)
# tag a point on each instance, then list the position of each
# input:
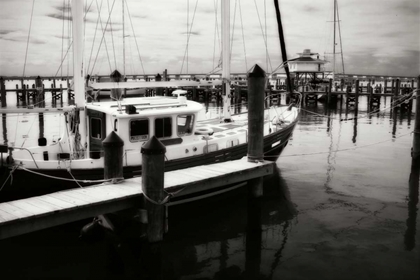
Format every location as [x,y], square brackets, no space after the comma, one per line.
[123,30]
[78,75]
[226,59]
[341,43]
[283,47]
[335,20]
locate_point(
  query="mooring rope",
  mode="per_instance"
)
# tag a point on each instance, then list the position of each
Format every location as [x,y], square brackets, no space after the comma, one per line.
[67,179]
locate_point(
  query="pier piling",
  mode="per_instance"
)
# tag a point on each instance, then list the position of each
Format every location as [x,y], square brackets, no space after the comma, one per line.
[416,137]
[3,93]
[153,167]
[113,157]
[256,85]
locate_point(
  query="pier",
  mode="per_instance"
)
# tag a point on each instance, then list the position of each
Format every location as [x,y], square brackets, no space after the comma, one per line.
[36,213]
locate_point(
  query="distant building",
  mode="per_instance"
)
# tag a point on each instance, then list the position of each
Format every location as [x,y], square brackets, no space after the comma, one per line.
[306,67]
[305,63]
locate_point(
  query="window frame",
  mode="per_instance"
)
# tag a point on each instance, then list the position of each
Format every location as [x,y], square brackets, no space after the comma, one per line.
[141,139]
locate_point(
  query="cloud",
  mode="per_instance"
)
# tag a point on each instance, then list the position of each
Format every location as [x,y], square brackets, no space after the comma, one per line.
[60,16]
[5,32]
[196,33]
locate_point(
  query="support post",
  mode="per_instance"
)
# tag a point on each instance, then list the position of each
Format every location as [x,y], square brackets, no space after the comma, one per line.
[329,92]
[153,165]
[356,102]
[397,88]
[385,86]
[3,93]
[256,85]
[113,157]
[416,137]
[159,90]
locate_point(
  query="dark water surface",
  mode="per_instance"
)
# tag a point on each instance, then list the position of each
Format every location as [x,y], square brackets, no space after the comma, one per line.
[340,206]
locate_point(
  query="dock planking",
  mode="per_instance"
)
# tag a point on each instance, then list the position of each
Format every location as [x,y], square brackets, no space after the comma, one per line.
[37,213]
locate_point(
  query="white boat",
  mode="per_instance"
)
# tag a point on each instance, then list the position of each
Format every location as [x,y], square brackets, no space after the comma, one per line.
[77,158]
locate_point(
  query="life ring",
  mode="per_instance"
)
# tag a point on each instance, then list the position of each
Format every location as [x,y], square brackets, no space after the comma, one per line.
[204,131]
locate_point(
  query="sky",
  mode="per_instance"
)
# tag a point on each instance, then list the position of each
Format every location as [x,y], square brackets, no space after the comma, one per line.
[378,37]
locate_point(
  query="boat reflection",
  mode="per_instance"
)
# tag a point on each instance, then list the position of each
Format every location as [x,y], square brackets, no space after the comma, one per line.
[222,237]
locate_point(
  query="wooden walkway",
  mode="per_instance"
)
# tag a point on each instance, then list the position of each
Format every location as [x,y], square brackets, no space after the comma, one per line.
[37,213]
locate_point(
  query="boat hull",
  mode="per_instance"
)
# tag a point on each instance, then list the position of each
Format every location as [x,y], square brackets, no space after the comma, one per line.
[25,184]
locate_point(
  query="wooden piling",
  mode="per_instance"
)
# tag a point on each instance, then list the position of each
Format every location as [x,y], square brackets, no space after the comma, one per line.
[153,165]
[158,78]
[385,86]
[392,86]
[3,93]
[397,87]
[356,101]
[329,92]
[256,85]
[113,157]
[416,137]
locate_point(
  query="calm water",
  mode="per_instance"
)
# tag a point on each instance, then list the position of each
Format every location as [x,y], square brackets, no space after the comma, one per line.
[339,207]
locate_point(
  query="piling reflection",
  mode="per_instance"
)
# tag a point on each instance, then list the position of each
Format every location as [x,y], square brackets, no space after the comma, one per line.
[413,199]
[226,237]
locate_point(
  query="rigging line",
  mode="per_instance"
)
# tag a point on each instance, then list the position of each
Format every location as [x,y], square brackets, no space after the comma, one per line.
[103,36]
[339,34]
[262,31]
[69,41]
[188,21]
[62,40]
[135,37]
[62,61]
[214,34]
[243,36]
[27,40]
[189,35]
[266,39]
[112,36]
[233,33]
[94,37]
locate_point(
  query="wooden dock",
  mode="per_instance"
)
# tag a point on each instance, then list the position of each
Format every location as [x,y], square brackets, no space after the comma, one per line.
[37,213]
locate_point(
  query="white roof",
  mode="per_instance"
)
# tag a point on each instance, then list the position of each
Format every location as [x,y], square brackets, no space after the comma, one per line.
[147,106]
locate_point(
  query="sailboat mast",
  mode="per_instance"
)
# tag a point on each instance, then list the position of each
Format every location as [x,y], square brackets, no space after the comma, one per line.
[78,75]
[226,58]
[335,20]
[123,30]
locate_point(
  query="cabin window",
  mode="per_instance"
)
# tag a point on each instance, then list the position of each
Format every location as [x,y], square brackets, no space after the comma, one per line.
[163,127]
[185,124]
[139,130]
[232,143]
[96,128]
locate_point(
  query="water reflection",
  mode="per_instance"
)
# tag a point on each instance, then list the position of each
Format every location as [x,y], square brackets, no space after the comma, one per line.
[413,199]
[232,240]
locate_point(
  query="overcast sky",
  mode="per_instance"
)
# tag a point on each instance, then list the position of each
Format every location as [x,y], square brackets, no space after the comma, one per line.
[378,36]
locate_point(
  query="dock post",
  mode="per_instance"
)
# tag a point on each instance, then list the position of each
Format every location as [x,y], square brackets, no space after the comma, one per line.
[397,88]
[329,92]
[39,97]
[3,92]
[392,86]
[158,91]
[416,137]
[356,102]
[153,165]
[113,157]
[256,85]
[385,86]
